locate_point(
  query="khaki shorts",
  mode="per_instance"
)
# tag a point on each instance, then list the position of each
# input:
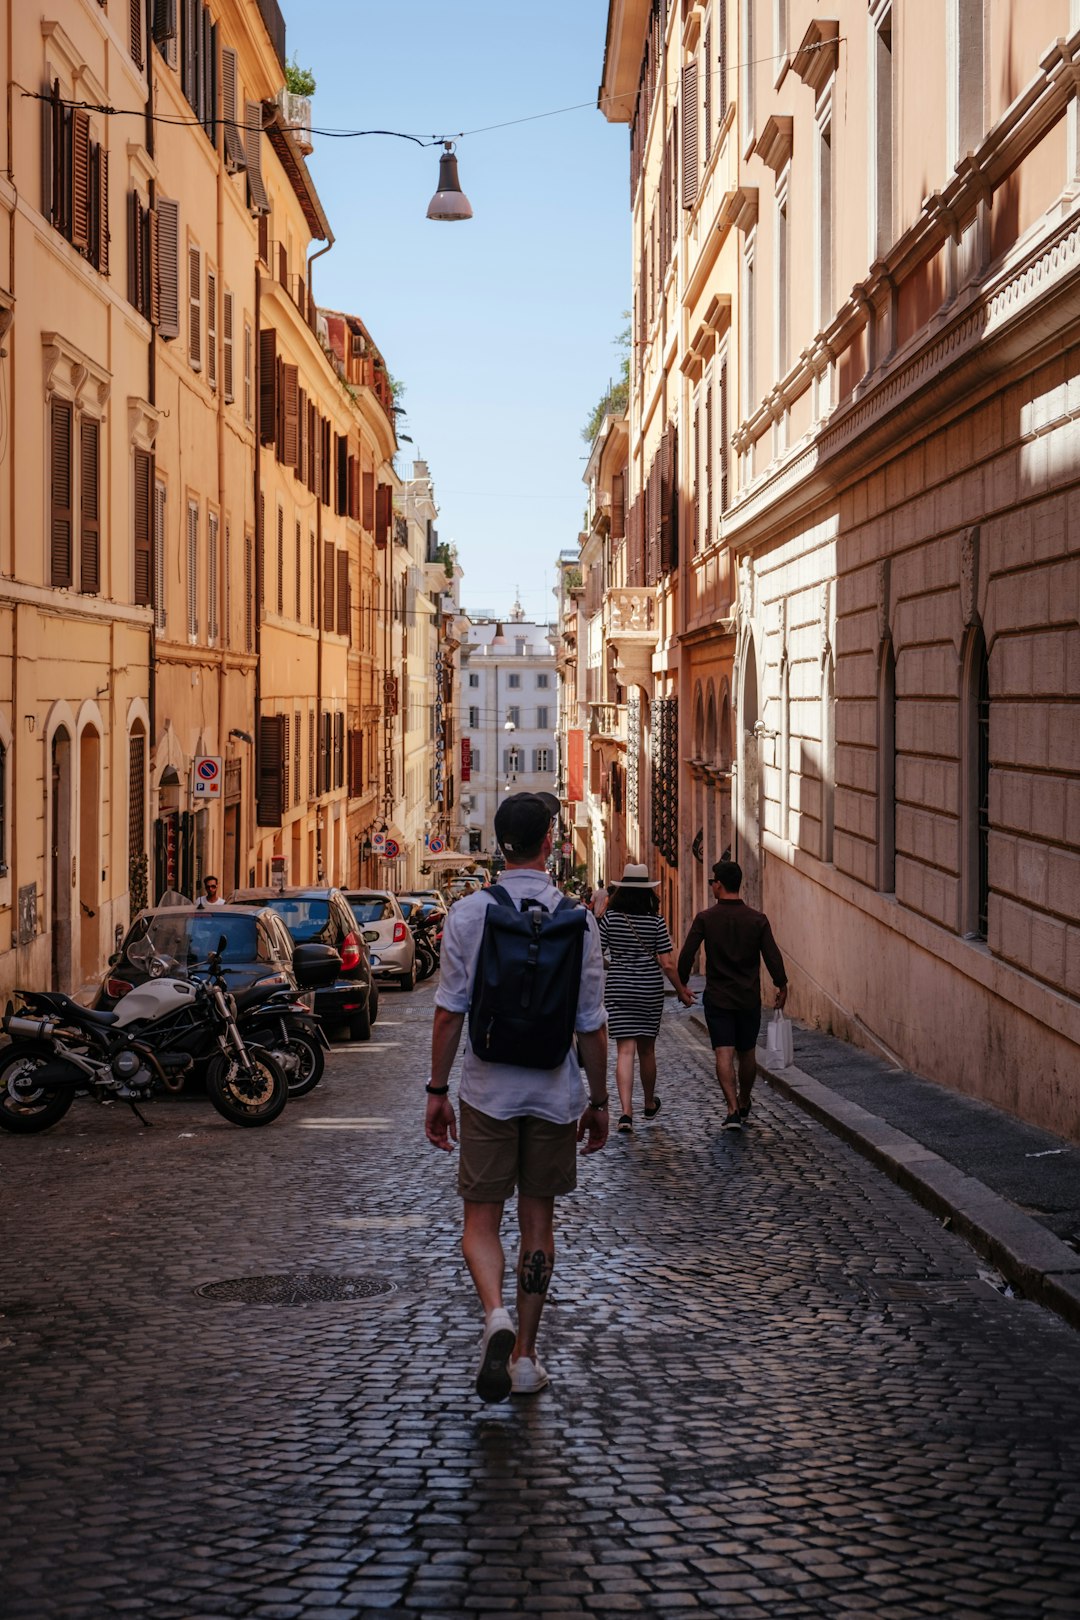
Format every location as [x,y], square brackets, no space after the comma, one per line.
[497,1155]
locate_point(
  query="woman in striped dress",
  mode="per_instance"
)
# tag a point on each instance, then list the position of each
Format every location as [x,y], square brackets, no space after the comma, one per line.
[640,955]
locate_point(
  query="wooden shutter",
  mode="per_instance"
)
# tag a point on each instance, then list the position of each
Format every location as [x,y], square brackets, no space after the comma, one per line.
[153,252]
[618,506]
[343,593]
[707,132]
[280,560]
[211,328]
[356,764]
[135,10]
[669,500]
[341,500]
[213,578]
[164,26]
[158,552]
[80,180]
[689,134]
[193,570]
[367,516]
[723,445]
[195,344]
[258,201]
[301,435]
[384,514]
[168,267]
[136,254]
[298,572]
[354,487]
[270,771]
[89,506]
[249,591]
[235,154]
[248,372]
[228,377]
[709,534]
[290,443]
[267,385]
[141,528]
[328,584]
[99,197]
[61,424]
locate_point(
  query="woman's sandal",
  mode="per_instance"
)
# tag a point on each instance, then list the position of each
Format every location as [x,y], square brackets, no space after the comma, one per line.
[626,1123]
[651,1113]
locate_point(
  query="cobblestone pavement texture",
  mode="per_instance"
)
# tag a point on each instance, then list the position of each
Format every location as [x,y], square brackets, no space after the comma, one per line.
[779,1386]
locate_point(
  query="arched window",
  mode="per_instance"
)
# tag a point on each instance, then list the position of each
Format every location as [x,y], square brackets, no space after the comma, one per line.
[828,758]
[886,770]
[975,763]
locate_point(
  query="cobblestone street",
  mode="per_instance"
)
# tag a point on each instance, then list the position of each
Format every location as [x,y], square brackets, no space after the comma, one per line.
[778,1386]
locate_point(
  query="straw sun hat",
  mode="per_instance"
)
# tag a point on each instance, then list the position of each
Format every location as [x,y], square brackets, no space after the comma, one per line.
[635,877]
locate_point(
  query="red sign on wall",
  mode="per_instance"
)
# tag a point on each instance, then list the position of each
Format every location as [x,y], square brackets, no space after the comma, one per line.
[575,766]
[466,759]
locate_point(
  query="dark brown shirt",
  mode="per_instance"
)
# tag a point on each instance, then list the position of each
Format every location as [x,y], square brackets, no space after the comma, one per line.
[736,940]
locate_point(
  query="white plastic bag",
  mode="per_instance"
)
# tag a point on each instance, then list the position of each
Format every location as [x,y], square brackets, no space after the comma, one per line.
[779,1045]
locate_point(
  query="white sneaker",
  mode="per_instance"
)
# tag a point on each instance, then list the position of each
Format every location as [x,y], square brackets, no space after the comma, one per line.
[493,1375]
[527,1376]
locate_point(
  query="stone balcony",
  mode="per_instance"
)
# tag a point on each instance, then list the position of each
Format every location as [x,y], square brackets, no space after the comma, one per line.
[630,628]
[607,722]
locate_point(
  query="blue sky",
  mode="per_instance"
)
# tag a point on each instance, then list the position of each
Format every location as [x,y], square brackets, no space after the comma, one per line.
[502,328]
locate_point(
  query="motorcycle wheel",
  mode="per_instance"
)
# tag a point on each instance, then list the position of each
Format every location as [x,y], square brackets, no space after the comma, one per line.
[244,1100]
[23,1109]
[310,1063]
[427,962]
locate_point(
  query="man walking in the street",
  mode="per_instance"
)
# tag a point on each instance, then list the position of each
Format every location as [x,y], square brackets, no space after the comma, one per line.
[737,940]
[519,1125]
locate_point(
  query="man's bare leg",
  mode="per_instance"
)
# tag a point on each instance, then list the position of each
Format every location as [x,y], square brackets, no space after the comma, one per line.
[725,1073]
[483,1251]
[536,1262]
[747,1076]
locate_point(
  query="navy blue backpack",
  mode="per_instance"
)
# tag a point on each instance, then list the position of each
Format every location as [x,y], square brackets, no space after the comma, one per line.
[528,977]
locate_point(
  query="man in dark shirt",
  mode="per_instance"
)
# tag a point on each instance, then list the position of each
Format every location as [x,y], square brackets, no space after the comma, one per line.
[736,941]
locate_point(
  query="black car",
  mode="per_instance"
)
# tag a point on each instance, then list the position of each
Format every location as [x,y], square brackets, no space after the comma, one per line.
[322,916]
[258,947]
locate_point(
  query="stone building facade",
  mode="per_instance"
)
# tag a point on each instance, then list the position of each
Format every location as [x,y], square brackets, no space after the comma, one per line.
[857,286]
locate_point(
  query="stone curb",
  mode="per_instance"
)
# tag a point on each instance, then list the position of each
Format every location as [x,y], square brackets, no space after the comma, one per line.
[1028,1256]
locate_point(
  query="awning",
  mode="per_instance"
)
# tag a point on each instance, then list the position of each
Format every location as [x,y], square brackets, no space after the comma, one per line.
[449,857]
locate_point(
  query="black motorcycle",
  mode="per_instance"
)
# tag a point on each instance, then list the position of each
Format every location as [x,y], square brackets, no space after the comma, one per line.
[275,1020]
[60,1048]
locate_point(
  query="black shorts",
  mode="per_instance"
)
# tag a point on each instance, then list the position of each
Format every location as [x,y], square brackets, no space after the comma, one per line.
[730,1026]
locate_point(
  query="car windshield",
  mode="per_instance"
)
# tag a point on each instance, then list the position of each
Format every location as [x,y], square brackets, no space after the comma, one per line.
[306,918]
[370,908]
[190,939]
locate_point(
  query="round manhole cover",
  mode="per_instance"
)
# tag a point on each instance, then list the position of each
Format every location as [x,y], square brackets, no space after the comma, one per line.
[294,1288]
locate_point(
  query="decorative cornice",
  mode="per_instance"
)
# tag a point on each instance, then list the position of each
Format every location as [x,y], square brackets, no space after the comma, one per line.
[739,208]
[74,375]
[774,143]
[818,53]
[143,422]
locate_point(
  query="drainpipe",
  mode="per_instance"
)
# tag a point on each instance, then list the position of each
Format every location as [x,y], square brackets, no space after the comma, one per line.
[151,396]
[257,605]
[222,582]
[319,687]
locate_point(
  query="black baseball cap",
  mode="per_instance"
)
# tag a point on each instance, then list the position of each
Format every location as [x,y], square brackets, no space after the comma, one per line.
[522,821]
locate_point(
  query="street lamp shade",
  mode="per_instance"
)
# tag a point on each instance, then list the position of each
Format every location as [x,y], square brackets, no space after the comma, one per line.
[449,201]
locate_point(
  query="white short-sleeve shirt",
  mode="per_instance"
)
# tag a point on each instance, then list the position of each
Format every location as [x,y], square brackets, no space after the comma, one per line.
[503,1090]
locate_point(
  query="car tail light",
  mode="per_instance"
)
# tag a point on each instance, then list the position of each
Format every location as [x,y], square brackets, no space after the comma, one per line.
[351,953]
[272,978]
[117,988]
[400,932]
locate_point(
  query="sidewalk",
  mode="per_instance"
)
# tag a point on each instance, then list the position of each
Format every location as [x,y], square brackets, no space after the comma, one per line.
[1011,1189]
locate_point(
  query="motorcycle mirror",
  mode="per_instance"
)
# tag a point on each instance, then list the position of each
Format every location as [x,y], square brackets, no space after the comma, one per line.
[222,943]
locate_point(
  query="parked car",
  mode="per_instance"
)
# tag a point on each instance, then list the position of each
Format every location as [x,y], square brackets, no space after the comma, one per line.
[424,897]
[258,947]
[388,938]
[323,916]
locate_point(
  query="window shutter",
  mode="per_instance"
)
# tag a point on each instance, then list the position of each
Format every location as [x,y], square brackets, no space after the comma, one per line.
[152,251]
[356,764]
[89,506]
[228,370]
[211,328]
[258,201]
[195,308]
[301,435]
[313,592]
[80,180]
[50,141]
[341,500]
[328,585]
[709,535]
[280,560]
[354,488]
[193,571]
[267,385]
[384,514]
[689,134]
[235,155]
[343,593]
[136,256]
[270,771]
[618,506]
[164,25]
[226,614]
[248,372]
[135,8]
[158,547]
[291,414]
[101,210]
[368,514]
[264,239]
[723,445]
[707,132]
[168,267]
[249,591]
[143,557]
[213,578]
[61,421]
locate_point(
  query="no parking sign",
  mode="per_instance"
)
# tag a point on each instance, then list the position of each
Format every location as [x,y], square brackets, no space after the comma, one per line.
[206,780]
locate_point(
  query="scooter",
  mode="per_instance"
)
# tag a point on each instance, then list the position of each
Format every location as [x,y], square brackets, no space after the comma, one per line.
[275,1020]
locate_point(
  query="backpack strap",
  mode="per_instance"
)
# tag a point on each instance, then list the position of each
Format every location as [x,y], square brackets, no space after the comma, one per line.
[501,895]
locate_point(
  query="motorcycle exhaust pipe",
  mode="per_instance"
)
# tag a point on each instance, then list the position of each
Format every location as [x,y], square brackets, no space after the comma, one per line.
[31,1029]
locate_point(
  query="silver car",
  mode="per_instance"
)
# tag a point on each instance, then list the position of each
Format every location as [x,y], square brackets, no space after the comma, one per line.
[387,935]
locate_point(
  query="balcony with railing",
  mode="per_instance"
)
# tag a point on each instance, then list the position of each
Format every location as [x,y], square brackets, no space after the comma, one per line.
[607,722]
[630,620]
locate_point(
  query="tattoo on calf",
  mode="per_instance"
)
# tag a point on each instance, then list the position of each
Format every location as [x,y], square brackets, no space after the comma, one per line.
[536,1269]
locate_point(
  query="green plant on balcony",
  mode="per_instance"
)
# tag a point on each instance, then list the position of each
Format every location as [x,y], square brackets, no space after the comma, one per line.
[299,81]
[572,579]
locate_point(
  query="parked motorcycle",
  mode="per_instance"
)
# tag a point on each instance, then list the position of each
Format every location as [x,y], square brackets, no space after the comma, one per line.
[153,1039]
[283,1026]
[426,923]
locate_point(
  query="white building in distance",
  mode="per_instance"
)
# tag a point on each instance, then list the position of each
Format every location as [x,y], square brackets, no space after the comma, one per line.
[507,697]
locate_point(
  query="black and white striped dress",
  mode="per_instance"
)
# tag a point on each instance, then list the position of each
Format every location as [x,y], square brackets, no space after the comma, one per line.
[634,992]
